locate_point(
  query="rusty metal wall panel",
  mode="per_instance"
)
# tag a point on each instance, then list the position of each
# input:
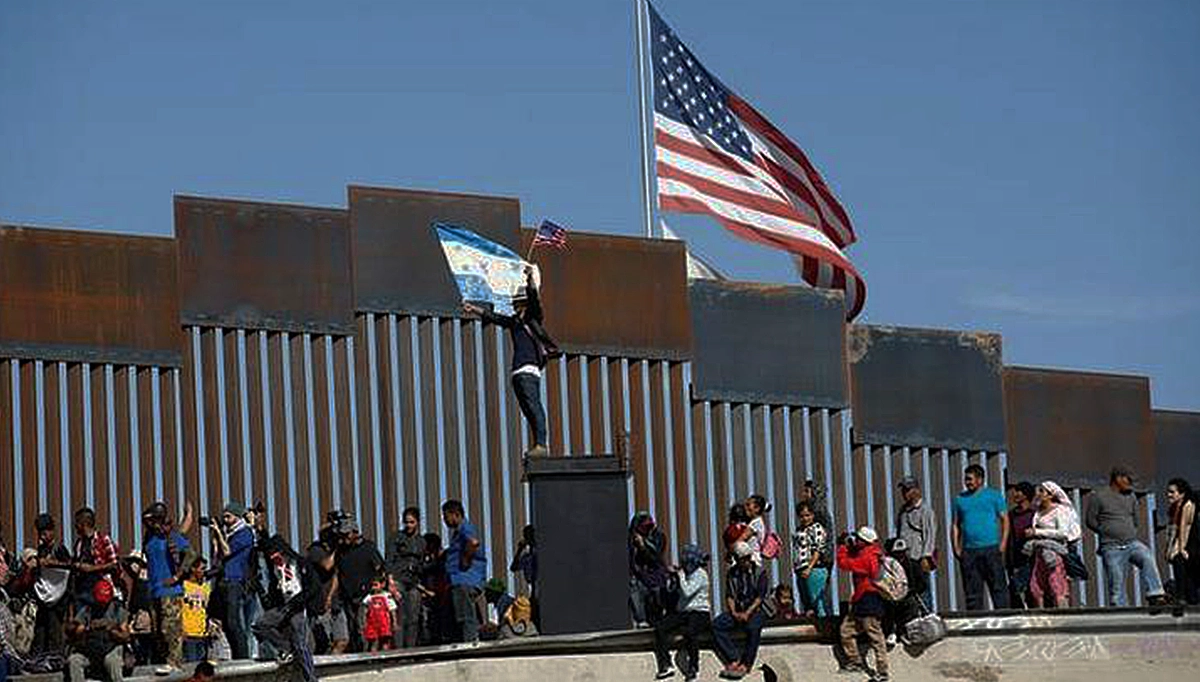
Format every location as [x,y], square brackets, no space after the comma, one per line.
[614,295]
[398,264]
[260,265]
[773,344]
[1177,444]
[1074,426]
[926,387]
[82,296]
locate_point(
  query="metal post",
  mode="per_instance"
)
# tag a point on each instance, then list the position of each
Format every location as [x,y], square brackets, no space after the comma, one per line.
[640,28]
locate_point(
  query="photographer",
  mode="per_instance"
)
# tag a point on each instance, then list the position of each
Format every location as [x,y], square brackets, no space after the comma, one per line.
[860,555]
[233,545]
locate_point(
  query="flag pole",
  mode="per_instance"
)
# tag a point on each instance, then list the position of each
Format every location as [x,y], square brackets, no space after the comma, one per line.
[641,27]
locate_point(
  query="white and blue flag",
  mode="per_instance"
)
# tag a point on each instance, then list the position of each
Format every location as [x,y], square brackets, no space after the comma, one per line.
[486,272]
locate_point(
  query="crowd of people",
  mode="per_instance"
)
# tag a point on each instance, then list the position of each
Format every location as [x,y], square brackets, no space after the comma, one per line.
[1023,552]
[95,612]
[92,610]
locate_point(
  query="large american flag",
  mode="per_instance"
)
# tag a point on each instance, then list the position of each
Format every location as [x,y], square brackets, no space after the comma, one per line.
[717,155]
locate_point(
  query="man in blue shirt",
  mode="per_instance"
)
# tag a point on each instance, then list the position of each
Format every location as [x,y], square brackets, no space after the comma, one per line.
[235,547]
[164,548]
[466,567]
[980,536]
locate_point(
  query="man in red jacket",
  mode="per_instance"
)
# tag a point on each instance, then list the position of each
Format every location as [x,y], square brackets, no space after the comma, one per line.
[860,555]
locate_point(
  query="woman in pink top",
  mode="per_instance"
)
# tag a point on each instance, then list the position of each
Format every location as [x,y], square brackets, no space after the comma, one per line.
[1055,525]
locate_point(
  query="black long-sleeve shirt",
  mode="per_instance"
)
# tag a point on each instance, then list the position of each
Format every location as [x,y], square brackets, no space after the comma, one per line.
[531,343]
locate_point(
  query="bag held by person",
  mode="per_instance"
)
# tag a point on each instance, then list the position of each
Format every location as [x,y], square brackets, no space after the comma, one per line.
[891,581]
[772,545]
[925,630]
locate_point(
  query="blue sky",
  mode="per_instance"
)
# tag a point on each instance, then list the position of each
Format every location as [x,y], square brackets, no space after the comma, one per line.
[1024,167]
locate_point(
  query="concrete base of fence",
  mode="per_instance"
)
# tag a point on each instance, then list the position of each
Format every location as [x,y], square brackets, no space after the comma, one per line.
[1073,646]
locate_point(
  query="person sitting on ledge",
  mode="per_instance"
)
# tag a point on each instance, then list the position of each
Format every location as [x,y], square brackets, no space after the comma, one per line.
[531,347]
[746,587]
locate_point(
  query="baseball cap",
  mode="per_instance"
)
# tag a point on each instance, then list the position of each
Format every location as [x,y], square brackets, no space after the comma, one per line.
[235,508]
[908,483]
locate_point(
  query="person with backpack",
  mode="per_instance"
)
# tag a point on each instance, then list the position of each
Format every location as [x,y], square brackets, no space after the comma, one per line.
[916,524]
[897,613]
[859,555]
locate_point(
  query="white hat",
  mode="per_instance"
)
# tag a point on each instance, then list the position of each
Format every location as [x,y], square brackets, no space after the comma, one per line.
[868,534]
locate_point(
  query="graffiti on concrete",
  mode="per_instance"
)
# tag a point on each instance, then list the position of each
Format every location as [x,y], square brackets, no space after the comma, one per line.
[1000,623]
[1041,649]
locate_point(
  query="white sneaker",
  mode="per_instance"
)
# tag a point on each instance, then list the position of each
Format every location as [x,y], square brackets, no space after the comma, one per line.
[891,640]
[665,673]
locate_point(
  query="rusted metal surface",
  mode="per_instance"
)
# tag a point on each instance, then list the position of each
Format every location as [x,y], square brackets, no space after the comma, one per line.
[1075,426]
[90,297]
[399,267]
[612,295]
[926,387]
[764,343]
[264,266]
[1177,444]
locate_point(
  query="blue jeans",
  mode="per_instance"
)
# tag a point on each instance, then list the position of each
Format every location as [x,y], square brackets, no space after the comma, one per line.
[984,565]
[812,590]
[4,665]
[237,599]
[1117,558]
[528,389]
[195,649]
[724,627]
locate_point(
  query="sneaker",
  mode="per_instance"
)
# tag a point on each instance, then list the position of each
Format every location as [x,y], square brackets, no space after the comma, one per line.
[852,669]
[537,451]
[164,670]
[879,677]
[733,671]
[285,658]
[665,673]
[891,641]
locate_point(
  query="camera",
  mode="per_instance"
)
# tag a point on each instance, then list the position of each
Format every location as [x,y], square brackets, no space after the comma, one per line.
[205,521]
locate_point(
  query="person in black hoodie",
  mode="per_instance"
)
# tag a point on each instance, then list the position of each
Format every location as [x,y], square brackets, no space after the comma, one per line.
[296,590]
[531,347]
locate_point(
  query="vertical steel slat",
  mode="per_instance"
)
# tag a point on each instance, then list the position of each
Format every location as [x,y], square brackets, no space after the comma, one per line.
[373,391]
[606,408]
[927,492]
[198,392]
[39,412]
[869,483]
[789,467]
[905,454]
[585,402]
[563,403]
[847,477]
[890,485]
[18,452]
[134,450]
[414,340]
[156,425]
[89,459]
[310,428]
[949,516]
[827,456]
[648,439]
[806,430]
[439,406]
[64,446]
[268,454]
[397,407]
[669,456]
[244,416]
[484,448]
[748,441]
[289,438]
[180,479]
[111,430]
[218,337]
[769,459]
[689,451]
[625,435]
[331,408]
[713,515]
[502,430]
[464,468]
[730,486]
[352,389]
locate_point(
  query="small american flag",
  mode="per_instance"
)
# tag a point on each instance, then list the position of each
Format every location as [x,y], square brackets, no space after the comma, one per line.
[550,234]
[718,156]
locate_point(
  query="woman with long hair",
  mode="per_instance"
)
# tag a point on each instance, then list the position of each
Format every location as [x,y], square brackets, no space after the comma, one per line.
[1055,527]
[1183,548]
